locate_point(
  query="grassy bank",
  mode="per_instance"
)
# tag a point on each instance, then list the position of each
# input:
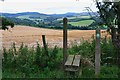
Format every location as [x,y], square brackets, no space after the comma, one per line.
[36,63]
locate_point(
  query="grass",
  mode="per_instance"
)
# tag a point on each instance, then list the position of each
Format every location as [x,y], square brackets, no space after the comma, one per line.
[35,63]
[85,17]
[81,23]
[24,17]
[60,19]
[46,73]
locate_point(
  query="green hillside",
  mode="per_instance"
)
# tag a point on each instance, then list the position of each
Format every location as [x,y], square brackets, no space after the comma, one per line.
[54,21]
[81,23]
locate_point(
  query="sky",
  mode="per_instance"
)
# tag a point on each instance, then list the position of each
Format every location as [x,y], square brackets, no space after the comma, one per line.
[46,6]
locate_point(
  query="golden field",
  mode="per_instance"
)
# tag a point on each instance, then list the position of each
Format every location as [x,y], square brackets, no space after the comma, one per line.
[30,35]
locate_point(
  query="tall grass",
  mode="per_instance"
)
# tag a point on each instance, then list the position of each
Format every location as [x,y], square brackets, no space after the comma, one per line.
[87,49]
[28,60]
[34,63]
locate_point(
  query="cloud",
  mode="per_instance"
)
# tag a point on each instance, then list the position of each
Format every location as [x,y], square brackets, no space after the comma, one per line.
[45,6]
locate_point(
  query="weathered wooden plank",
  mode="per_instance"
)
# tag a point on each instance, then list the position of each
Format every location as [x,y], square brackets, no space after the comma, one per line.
[69,60]
[76,61]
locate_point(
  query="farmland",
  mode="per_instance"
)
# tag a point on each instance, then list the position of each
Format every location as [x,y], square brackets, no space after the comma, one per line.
[81,23]
[81,20]
[76,21]
[61,43]
[29,36]
[32,62]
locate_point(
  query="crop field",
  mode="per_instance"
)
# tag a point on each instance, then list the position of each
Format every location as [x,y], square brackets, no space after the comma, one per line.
[81,23]
[85,17]
[30,35]
[60,19]
[33,63]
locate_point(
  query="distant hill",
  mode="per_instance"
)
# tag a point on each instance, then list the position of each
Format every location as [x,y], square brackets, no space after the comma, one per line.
[72,14]
[32,14]
[49,20]
[21,14]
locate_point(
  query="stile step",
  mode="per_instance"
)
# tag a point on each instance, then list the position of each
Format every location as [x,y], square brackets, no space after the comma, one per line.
[69,60]
[76,61]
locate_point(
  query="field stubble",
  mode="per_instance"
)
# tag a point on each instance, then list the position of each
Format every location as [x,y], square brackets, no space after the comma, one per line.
[30,35]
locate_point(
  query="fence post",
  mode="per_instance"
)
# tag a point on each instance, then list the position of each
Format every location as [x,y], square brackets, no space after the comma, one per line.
[64,40]
[44,44]
[97,52]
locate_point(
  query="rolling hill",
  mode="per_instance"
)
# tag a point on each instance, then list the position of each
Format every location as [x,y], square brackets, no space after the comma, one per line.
[54,21]
[36,14]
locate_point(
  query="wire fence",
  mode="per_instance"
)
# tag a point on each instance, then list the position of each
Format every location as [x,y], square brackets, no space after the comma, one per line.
[31,41]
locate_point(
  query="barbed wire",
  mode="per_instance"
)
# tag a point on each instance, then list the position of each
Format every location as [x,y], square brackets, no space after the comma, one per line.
[34,44]
[51,43]
[41,35]
[29,36]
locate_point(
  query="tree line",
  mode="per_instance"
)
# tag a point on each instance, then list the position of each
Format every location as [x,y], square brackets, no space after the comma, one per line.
[4,23]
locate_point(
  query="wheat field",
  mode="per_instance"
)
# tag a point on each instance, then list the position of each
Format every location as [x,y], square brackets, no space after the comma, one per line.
[30,35]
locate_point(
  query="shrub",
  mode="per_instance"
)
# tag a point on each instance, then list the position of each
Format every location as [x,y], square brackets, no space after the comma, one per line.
[33,62]
[109,71]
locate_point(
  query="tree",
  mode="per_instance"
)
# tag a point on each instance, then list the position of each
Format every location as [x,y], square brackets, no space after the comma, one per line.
[6,23]
[109,12]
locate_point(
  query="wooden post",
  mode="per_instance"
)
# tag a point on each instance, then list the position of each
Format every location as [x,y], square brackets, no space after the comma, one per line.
[44,44]
[64,40]
[97,52]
